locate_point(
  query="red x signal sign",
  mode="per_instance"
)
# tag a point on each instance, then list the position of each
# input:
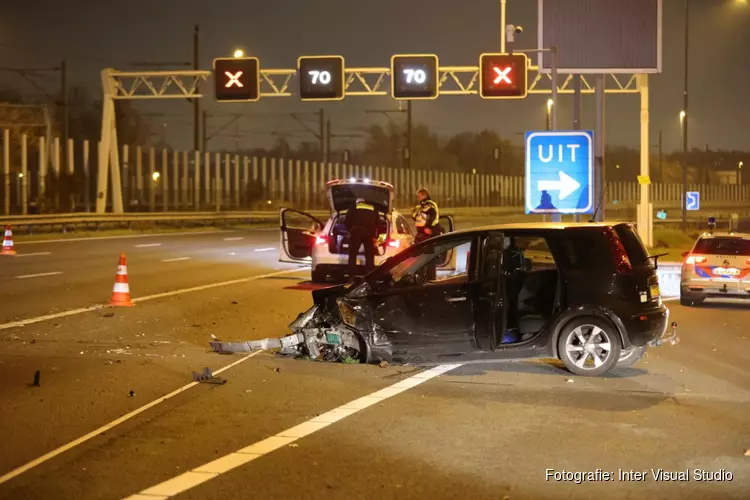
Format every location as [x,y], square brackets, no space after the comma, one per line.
[237,79]
[503,76]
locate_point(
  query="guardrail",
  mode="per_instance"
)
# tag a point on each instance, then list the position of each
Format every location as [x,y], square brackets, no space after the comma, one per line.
[68,221]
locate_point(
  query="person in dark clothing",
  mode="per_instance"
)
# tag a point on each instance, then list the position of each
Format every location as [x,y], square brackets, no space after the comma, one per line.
[426,216]
[362,222]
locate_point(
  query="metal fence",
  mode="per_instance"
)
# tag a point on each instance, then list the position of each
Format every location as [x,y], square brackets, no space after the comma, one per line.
[47,177]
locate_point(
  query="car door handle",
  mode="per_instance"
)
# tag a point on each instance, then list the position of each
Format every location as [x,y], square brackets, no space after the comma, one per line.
[456,299]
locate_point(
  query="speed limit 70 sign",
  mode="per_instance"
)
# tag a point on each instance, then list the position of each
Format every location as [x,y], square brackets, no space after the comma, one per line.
[321,78]
[414,76]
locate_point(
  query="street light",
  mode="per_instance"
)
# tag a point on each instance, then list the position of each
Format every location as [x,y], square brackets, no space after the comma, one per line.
[155,176]
[239,53]
[739,172]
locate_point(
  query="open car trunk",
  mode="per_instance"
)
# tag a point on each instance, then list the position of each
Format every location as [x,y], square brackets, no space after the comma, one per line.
[338,237]
[342,195]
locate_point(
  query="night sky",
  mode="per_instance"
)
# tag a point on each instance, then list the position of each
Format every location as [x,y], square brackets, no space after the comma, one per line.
[92,34]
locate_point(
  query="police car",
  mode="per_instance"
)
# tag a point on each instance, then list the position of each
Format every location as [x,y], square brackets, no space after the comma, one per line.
[718,266]
[325,246]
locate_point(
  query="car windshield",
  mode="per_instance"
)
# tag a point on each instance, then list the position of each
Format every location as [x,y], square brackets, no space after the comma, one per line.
[723,246]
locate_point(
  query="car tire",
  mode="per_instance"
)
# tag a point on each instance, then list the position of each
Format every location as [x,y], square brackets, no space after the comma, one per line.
[629,357]
[317,276]
[597,340]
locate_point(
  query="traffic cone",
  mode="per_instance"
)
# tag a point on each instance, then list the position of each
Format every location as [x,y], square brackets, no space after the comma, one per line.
[8,242]
[121,290]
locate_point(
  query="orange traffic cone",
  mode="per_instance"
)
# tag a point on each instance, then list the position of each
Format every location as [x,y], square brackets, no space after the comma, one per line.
[121,290]
[8,242]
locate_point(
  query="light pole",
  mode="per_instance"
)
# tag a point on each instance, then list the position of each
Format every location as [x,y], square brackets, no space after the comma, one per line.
[238,53]
[684,120]
[550,103]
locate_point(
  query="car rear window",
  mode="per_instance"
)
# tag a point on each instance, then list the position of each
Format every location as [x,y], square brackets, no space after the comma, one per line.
[632,242]
[583,248]
[722,246]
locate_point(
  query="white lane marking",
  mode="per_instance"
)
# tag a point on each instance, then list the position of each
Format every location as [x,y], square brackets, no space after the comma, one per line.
[222,465]
[148,245]
[176,259]
[125,237]
[33,254]
[39,275]
[236,238]
[265,249]
[62,449]
[73,312]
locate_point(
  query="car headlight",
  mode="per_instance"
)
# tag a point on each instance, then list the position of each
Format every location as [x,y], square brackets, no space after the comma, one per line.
[348,314]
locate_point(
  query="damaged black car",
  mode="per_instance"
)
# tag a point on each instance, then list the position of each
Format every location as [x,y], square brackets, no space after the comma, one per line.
[587,294]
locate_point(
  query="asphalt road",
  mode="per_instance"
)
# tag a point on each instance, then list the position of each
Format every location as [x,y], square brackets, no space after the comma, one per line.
[477,431]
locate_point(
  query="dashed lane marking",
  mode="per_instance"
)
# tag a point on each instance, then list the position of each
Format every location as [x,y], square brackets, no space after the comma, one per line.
[148,245]
[265,249]
[176,259]
[62,449]
[236,238]
[222,465]
[33,254]
[73,312]
[38,275]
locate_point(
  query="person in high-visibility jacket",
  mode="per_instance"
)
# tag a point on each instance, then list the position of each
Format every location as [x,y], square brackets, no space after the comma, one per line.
[362,222]
[426,216]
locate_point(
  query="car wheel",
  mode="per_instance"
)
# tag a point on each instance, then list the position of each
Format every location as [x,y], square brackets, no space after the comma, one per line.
[629,357]
[589,346]
[318,276]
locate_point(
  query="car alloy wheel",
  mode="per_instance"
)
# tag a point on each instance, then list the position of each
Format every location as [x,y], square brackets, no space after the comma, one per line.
[589,346]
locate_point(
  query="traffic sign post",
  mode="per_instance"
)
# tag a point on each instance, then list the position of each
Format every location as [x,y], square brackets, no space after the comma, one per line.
[414,76]
[503,76]
[693,200]
[321,78]
[559,172]
[237,79]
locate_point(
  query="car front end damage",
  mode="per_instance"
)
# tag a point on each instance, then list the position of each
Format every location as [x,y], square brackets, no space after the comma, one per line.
[333,330]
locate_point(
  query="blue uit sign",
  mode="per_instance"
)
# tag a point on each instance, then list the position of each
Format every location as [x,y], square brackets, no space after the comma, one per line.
[693,200]
[560,172]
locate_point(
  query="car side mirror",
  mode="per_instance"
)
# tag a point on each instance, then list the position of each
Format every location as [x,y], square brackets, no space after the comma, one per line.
[685,254]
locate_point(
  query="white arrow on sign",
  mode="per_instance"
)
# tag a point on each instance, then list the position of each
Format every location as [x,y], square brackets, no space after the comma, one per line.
[566,185]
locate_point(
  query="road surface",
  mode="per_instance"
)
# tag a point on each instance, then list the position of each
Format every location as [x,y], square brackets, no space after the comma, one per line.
[293,429]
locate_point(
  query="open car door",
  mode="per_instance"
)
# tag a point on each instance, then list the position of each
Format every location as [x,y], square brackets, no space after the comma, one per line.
[448,261]
[297,237]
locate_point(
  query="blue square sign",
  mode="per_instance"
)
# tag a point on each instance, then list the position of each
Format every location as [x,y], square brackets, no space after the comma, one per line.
[693,200]
[559,172]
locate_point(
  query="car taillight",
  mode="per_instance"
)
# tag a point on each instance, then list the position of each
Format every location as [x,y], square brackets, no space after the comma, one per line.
[394,243]
[321,240]
[692,259]
[619,255]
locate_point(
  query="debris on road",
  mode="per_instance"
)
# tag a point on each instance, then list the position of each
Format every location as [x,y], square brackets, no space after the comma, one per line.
[37,379]
[570,381]
[383,364]
[747,453]
[131,393]
[207,377]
